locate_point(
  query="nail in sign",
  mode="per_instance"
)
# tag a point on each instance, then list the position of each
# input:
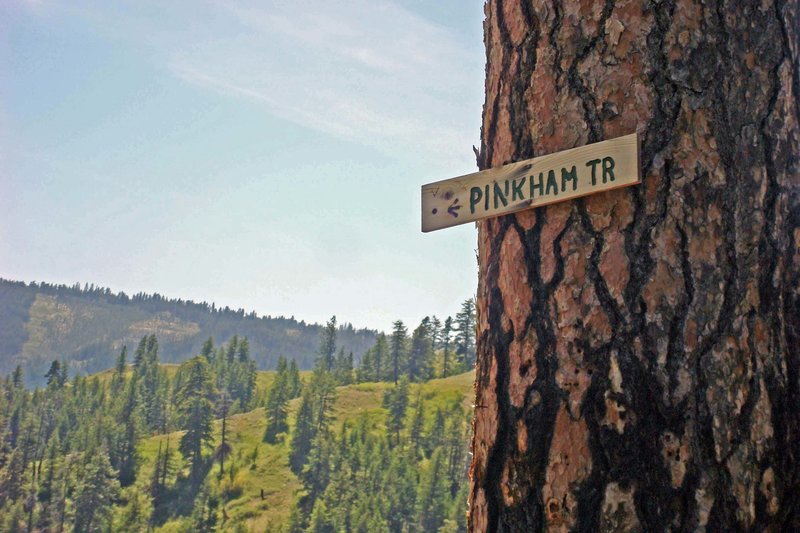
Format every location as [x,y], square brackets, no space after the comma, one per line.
[539,181]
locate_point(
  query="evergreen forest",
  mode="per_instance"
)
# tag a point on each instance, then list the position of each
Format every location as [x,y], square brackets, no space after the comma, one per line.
[376,443]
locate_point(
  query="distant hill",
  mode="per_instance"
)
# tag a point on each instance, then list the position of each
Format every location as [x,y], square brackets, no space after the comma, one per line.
[87,326]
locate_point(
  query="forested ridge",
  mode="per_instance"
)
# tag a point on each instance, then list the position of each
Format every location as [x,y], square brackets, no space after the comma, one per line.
[87,325]
[214,445]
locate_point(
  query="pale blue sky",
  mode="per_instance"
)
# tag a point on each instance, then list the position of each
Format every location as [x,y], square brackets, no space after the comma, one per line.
[264,155]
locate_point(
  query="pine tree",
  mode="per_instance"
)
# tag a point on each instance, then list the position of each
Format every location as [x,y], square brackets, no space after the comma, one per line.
[327,349]
[12,476]
[323,388]
[195,408]
[673,306]
[224,449]
[313,418]
[319,522]
[233,370]
[95,494]
[230,352]
[366,520]
[426,323]
[436,432]
[118,379]
[139,354]
[64,373]
[220,368]
[125,454]
[432,497]
[417,426]
[295,384]
[276,409]
[16,377]
[455,450]
[400,484]
[303,433]
[207,351]
[152,383]
[398,348]
[14,521]
[395,400]
[54,375]
[419,360]
[66,484]
[242,375]
[366,368]
[381,358]
[136,515]
[46,487]
[465,333]
[446,332]
[343,368]
[436,332]
[243,351]
[316,474]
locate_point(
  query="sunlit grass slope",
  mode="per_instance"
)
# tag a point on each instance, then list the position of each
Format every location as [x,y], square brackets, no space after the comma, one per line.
[254,466]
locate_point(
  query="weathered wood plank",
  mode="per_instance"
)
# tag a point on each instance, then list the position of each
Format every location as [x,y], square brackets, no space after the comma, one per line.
[539,181]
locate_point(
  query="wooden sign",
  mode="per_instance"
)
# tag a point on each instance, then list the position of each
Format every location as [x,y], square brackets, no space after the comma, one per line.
[539,181]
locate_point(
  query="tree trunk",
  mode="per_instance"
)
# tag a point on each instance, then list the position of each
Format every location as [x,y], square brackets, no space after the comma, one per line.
[639,350]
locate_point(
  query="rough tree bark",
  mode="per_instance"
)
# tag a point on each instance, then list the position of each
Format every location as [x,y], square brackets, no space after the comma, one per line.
[639,350]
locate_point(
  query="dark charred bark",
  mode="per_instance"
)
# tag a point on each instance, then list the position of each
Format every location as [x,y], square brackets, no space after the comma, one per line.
[639,350]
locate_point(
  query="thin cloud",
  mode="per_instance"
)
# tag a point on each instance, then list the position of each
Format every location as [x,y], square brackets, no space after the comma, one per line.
[368,72]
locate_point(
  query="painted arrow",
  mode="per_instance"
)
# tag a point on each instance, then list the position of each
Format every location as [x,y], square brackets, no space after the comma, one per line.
[454,207]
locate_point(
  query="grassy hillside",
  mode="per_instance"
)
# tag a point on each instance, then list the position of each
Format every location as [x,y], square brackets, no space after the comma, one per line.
[88,326]
[255,466]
